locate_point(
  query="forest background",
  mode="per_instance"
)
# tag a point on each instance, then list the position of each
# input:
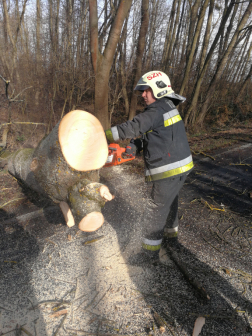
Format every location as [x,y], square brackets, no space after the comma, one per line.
[61,55]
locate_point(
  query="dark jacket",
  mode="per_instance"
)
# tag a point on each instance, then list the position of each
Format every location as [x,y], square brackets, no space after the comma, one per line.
[165,145]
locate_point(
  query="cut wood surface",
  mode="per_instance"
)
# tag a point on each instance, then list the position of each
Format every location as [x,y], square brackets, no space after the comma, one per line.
[64,167]
[82,141]
[92,221]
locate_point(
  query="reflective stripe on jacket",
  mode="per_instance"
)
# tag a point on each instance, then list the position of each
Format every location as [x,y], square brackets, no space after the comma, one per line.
[165,145]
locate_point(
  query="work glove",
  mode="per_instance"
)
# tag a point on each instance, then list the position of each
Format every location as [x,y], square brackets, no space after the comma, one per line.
[138,143]
[130,151]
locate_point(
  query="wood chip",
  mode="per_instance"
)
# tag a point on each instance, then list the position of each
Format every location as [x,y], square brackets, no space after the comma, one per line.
[200,321]
[60,312]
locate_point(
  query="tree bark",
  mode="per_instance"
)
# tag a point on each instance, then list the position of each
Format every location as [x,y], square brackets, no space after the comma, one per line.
[102,62]
[247,79]
[38,21]
[64,167]
[139,55]
[169,51]
[168,32]
[152,31]
[247,59]
[192,47]
[207,35]
[122,48]
[173,58]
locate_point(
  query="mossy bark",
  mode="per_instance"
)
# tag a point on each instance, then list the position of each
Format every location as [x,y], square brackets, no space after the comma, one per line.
[84,197]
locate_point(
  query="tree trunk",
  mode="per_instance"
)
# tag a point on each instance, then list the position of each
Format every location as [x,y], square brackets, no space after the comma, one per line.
[220,51]
[174,60]
[168,61]
[168,32]
[152,29]
[193,22]
[247,79]
[64,167]
[139,55]
[193,42]
[122,48]
[207,35]
[102,62]
[247,59]
[38,20]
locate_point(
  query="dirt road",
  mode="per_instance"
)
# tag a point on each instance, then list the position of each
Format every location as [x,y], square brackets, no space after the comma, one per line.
[86,279]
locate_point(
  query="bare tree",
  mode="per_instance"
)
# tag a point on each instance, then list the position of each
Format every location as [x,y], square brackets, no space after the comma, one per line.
[102,61]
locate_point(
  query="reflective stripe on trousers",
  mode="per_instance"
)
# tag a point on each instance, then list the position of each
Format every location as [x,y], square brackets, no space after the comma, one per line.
[151,244]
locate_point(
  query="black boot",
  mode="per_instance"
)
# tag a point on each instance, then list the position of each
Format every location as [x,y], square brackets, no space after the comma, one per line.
[172,243]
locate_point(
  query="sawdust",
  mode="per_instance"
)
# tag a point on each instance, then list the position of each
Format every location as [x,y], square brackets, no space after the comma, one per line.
[46,267]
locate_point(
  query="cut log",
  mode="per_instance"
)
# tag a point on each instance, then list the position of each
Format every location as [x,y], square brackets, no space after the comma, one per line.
[65,167]
[86,201]
[82,141]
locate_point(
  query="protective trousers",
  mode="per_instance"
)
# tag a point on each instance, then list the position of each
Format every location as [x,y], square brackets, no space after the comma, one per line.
[161,213]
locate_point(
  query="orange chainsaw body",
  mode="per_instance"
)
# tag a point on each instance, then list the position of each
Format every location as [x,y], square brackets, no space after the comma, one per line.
[115,155]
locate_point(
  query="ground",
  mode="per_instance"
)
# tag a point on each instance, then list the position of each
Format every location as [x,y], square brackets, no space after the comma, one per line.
[56,280]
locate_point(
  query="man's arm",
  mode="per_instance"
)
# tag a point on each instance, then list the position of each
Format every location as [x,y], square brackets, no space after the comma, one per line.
[141,124]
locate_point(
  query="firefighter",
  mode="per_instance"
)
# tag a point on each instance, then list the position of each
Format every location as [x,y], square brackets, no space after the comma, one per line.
[166,153]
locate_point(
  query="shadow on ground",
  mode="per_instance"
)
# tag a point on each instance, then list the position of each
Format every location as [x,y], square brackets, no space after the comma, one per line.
[19,249]
[166,291]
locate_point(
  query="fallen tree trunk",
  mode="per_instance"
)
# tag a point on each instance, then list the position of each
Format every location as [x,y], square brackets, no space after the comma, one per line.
[65,167]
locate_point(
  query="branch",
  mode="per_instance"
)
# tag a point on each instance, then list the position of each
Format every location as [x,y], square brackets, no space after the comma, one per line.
[3,79]
[22,122]
[116,28]
[7,82]
[14,99]
[191,279]
[248,27]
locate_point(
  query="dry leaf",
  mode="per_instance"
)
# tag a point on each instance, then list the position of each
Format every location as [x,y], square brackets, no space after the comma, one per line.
[200,321]
[162,330]
[227,271]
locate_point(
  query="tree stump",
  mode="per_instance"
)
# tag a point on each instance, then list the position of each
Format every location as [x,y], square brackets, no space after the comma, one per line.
[65,167]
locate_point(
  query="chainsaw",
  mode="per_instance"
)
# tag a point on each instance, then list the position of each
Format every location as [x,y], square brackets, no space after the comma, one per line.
[118,155]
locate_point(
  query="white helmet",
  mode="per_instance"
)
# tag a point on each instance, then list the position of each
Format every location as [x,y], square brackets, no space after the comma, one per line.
[160,84]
